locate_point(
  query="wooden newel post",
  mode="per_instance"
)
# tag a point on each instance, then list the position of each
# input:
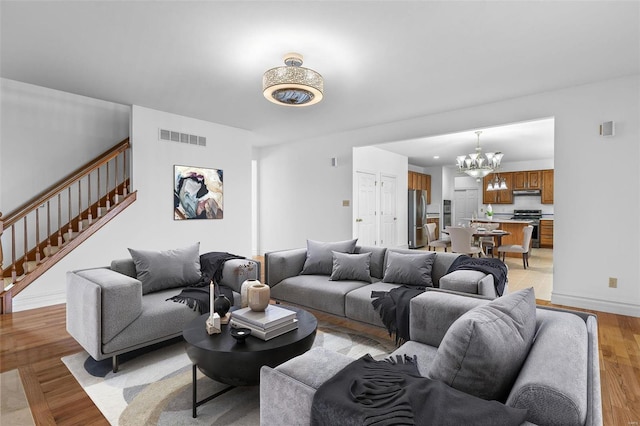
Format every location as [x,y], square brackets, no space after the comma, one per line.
[5,296]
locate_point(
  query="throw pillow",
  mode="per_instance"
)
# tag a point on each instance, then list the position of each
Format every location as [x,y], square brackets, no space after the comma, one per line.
[354,267]
[409,268]
[483,350]
[319,259]
[159,270]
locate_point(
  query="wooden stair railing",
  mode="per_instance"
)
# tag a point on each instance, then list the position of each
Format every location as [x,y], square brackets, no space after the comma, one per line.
[80,204]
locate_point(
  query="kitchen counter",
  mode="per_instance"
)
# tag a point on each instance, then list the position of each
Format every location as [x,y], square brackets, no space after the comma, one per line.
[496,220]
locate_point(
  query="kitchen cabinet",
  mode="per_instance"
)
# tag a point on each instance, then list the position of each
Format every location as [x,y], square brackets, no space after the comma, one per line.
[420,181]
[437,222]
[527,180]
[546,233]
[504,196]
[547,187]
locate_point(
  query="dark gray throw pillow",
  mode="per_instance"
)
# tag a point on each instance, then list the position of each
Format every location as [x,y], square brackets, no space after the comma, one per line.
[355,267]
[159,270]
[319,259]
[483,350]
[409,268]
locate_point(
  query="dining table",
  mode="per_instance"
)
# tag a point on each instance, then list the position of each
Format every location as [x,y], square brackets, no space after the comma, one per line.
[480,232]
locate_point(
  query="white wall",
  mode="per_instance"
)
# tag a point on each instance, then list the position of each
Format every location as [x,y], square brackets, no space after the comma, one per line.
[301,194]
[56,130]
[586,193]
[148,223]
[377,161]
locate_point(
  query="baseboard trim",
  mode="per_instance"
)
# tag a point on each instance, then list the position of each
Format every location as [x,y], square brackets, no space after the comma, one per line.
[25,302]
[595,304]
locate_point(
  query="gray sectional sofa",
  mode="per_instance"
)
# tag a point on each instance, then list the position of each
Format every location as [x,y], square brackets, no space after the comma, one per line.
[117,309]
[291,279]
[540,359]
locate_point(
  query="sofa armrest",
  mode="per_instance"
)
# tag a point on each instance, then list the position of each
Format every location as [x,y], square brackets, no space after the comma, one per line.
[469,281]
[233,274]
[432,313]
[100,304]
[283,264]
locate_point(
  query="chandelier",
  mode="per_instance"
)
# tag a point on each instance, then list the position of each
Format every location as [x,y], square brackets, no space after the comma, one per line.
[477,164]
[497,184]
[292,85]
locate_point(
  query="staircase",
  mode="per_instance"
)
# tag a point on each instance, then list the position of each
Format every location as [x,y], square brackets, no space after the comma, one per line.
[48,227]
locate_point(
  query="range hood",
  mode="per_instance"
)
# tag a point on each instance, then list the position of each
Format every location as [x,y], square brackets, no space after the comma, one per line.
[526,192]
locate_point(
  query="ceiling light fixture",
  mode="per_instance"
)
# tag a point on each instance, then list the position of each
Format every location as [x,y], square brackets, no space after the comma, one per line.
[292,85]
[479,165]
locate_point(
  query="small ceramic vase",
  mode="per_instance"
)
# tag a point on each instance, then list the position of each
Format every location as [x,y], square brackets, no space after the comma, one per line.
[244,292]
[259,295]
[221,305]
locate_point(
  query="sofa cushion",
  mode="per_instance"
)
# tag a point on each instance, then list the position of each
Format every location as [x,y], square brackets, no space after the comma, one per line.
[357,304]
[351,267]
[159,270]
[377,259]
[484,349]
[409,269]
[320,257]
[315,292]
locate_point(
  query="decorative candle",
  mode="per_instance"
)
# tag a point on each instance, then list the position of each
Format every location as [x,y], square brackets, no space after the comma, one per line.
[211,300]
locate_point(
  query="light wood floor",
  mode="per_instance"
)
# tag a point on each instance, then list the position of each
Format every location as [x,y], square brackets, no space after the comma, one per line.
[34,341]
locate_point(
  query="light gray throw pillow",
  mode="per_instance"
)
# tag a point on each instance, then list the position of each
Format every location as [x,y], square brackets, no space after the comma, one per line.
[319,259]
[355,267]
[159,270]
[409,268]
[483,350]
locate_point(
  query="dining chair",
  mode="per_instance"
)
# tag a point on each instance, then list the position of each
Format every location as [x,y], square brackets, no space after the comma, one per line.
[432,241]
[488,244]
[461,240]
[527,231]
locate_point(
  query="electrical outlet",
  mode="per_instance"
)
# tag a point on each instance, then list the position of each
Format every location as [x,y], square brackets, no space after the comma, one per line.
[613,282]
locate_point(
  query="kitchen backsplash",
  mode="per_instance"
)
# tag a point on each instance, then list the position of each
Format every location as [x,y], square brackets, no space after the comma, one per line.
[522,203]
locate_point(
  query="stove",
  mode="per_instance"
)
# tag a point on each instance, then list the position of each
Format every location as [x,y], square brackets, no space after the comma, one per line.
[534,216]
[527,214]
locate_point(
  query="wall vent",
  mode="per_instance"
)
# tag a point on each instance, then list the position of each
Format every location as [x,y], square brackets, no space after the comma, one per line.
[173,136]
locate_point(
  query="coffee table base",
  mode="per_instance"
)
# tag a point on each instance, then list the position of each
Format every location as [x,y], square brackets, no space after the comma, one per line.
[194,388]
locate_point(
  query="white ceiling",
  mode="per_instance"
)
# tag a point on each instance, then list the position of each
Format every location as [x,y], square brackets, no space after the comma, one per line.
[382,61]
[526,141]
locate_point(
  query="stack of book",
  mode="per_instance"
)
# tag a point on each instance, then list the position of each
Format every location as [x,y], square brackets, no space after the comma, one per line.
[272,322]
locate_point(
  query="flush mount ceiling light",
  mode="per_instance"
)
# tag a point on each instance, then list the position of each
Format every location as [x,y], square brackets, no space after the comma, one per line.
[478,165]
[292,85]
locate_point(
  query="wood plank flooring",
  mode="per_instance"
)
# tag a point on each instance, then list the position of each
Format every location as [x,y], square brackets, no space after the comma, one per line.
[34,341]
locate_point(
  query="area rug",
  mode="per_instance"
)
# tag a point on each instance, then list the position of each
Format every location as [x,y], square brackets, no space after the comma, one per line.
[153,387]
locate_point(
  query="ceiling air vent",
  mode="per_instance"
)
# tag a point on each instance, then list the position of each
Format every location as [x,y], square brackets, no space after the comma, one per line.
[173,136]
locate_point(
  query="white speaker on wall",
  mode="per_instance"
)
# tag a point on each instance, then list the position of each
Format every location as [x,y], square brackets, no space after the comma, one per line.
[334,162]
[608,128]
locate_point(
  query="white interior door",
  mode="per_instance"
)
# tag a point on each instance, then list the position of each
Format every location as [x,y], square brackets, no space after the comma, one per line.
[365,221]
[465,205]
[388,212]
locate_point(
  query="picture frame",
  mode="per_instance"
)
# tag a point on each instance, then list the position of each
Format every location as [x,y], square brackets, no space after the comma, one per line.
[197,193]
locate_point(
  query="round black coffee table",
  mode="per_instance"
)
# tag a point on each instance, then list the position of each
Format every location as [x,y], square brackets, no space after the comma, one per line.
[221,358]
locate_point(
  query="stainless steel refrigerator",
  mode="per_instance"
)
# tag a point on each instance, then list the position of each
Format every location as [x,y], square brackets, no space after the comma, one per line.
[417,218]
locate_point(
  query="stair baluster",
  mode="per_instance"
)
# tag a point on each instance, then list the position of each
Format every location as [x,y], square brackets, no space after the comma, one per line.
[35,254]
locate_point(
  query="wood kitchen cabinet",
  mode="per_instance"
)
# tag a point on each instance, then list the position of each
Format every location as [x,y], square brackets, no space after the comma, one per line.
[527,180]
[546,233]
[420,181]
[547,187]
[504,196]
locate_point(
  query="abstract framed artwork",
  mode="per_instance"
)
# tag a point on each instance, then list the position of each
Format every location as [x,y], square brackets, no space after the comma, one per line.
[197,193]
